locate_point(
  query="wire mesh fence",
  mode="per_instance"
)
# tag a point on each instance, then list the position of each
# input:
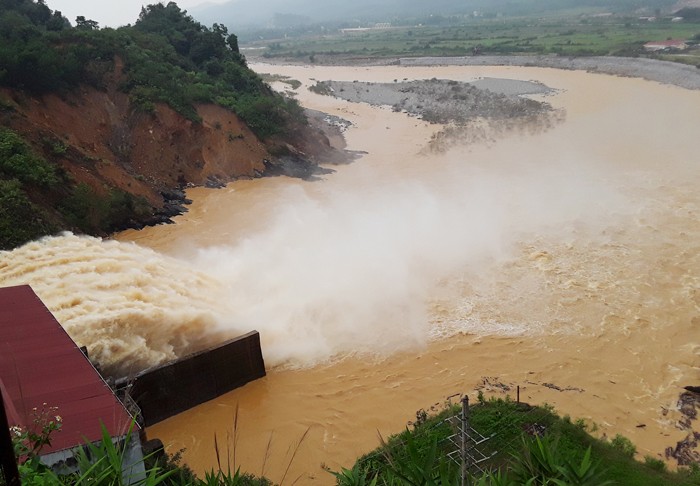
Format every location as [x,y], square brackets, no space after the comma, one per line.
[493,433]
[469,450]
[476,436]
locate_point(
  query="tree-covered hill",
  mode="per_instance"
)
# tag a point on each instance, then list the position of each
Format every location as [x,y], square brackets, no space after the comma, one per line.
[168,57]
[115,117]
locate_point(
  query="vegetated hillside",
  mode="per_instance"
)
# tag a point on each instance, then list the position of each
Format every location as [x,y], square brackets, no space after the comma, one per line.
[280,13]
[97,126]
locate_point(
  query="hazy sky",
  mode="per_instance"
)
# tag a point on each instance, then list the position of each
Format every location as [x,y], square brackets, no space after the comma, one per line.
[111,13]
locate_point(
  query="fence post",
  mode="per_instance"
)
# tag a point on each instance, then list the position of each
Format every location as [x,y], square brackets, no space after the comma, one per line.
[8,461]
[464,452]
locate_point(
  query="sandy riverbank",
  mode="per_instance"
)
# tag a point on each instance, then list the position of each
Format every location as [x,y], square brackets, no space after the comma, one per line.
[666,72]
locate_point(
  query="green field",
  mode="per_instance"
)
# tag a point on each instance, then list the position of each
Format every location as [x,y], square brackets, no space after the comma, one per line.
[570,35]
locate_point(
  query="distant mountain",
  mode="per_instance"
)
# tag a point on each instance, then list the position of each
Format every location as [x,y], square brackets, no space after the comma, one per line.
[245,13]
[686,4]
[238,14]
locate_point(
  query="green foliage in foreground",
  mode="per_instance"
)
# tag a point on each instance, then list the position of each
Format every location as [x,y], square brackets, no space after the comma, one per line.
[535,447]
[564,456]
[104,463]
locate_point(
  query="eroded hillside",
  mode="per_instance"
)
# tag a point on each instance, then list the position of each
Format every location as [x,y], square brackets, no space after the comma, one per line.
[100,129]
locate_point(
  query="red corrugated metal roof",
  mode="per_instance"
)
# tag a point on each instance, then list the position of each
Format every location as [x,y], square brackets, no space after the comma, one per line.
[40,363]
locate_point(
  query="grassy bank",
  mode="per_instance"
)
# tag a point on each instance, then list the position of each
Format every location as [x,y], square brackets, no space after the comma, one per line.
[523,442]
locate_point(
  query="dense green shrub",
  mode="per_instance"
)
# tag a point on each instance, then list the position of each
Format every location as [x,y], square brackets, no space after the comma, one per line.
[624,445]
[654,463]
[92,212]
[265,116]
[17,160]
[168,58]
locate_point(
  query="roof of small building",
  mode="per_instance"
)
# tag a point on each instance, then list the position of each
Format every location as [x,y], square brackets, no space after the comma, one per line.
[42,367]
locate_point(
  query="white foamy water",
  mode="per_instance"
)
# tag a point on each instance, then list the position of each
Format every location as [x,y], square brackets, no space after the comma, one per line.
[132,307]
[353,271]
[334,273]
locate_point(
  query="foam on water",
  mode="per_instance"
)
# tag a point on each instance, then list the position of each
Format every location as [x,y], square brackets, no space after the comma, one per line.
[333,273]
[131,306]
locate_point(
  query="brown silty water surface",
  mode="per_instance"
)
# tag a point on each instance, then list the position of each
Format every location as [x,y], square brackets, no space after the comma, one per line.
[578,266]
[568,257]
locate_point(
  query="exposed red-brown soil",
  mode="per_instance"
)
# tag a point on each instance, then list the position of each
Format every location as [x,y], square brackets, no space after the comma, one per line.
[100,139]
[110,143]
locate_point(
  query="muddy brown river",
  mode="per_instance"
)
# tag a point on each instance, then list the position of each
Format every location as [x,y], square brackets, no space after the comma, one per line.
[567,257]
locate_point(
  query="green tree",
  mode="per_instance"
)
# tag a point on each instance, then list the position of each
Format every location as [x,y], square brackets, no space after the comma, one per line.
[17,160]
[86,24]
[95,212]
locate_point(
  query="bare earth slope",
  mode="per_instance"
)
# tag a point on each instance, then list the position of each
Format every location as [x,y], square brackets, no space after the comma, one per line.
[99,139]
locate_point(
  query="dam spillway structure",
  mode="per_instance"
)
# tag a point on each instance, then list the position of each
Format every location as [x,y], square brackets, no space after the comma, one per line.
[166,390]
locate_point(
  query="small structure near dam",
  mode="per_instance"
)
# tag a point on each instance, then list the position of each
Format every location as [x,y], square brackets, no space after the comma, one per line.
[169,389]
[45,376]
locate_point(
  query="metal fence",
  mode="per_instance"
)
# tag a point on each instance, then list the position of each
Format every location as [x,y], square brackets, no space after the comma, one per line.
[466,442]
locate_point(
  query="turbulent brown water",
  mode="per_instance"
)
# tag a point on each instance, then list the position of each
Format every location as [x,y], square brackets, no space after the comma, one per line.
[567,257]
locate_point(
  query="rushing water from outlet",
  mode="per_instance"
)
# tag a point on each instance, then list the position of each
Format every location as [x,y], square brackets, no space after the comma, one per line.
[566,257]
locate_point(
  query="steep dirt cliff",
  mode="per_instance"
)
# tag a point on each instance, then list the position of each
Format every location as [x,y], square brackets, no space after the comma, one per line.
[98,139]
[107,142]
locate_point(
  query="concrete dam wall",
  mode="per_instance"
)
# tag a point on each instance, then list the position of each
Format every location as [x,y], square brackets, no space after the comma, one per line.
[167,390]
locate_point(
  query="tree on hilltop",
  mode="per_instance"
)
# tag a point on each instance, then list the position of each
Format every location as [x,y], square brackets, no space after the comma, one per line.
[189,38]
[82,23]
